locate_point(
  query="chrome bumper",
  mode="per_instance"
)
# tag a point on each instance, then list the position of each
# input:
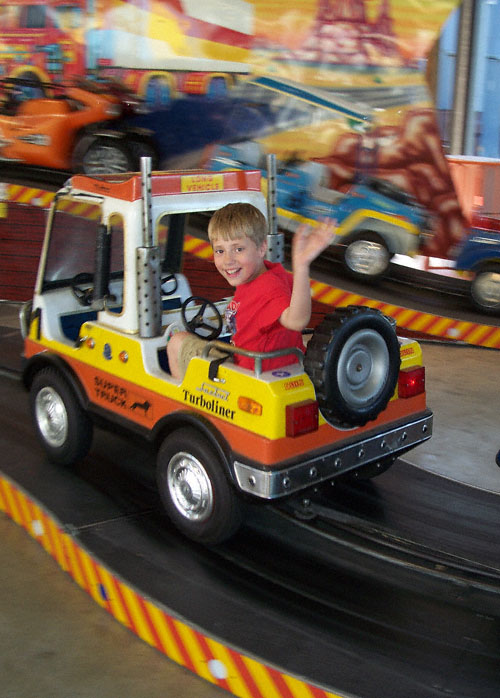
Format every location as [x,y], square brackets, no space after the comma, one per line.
[271,484]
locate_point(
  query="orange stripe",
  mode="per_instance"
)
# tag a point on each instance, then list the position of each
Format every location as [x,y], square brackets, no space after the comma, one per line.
[49,537]
[208,654]
[103,594]
[280,684]
[154,632]
[11,508]
[23,511]
[186,659]
[55,536]
[130,620]
[3,499]
[85,582]
[246,675]
[116,606]
[74,566]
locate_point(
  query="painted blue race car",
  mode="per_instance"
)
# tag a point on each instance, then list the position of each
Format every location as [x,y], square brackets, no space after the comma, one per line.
[480,254]
[375,219]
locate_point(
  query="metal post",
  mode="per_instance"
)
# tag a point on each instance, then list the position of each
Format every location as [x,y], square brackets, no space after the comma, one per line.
[148,263]
[275,240]
[147,219]
[463,91]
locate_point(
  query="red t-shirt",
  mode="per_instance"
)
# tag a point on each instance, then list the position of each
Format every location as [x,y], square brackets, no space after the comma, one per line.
[253,317]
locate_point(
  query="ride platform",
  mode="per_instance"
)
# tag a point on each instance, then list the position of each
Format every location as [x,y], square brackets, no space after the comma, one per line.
[249,617]
[390,588]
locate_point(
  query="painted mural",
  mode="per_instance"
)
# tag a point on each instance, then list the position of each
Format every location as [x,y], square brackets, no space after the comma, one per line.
[345,84]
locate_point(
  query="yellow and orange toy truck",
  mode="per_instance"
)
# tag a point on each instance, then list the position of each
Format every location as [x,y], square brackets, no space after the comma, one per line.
[109,293]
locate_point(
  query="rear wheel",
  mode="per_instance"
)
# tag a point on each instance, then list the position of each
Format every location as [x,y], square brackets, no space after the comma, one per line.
[366,256]
[485,289]
[63,426]
[107,156]
[194,489]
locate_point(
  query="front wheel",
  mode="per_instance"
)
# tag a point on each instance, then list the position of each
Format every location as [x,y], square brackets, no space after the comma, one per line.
[107,156]
[63,426]
[485,289]
[194,489]
[366,256]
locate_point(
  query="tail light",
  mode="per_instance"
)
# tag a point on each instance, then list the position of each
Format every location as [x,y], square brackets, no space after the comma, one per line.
[411,382]
[301,418]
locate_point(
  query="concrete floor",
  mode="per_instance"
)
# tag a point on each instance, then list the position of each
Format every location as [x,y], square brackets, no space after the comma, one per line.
[56,642]
[463,390]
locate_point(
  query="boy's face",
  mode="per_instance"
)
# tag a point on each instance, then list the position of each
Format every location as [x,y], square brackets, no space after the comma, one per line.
[239,260]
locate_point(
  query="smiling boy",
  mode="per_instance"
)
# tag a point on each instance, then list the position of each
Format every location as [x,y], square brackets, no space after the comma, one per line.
[270,308]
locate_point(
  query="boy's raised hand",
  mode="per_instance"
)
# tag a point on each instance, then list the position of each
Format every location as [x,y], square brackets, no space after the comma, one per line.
[309,242]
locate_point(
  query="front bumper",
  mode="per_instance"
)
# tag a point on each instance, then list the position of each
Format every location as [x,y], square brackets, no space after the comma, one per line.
[279,482]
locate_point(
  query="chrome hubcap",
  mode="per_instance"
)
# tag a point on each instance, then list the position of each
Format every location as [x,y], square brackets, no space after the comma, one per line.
[486,289]
[367,257]
[51,416]
[363,367]
[190,487]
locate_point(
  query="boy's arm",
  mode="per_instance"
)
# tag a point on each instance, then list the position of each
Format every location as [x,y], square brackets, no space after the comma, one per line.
[307,244]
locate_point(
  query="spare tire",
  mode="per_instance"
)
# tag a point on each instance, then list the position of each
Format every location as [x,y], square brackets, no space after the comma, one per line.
[353,360]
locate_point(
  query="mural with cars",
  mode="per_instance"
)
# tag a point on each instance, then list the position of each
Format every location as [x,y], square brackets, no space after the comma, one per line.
[194,67]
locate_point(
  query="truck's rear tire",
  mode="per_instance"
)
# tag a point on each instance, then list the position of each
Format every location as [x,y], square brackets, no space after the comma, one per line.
[353,360]
[194,489]
[63,427]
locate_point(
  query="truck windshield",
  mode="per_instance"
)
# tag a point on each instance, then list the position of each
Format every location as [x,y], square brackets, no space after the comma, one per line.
[72,245]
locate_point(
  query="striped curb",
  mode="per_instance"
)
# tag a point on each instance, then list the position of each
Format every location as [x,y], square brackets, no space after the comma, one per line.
[20,194]
[239,674]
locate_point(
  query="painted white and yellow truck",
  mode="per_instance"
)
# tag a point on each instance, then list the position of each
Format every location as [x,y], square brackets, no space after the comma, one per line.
[110,291]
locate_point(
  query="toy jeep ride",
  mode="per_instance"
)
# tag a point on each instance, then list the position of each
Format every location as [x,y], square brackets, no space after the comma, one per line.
[110,292]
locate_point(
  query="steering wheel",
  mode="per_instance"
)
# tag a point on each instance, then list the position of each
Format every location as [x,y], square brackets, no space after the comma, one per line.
[83,295]
[167,279]
[201,324]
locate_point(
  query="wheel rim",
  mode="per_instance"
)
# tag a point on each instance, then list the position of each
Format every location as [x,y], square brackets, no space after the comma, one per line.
[486,289]
[190,487]
[51,416]
[105,159]
[363,367]
[367,257]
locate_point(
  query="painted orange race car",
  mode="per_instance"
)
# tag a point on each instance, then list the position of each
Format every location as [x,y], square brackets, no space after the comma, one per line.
[74,128]
[110,292]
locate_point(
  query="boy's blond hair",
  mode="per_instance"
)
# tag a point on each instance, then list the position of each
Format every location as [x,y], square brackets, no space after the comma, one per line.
[238,220]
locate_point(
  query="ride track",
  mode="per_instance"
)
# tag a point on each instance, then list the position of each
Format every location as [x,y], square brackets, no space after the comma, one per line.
[383,588]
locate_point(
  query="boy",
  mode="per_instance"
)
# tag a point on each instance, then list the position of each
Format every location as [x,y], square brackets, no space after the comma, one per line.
[268,310]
